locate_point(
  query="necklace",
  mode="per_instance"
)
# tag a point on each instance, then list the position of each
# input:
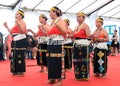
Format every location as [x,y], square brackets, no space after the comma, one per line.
[55,21]
[97,33]
[79,27]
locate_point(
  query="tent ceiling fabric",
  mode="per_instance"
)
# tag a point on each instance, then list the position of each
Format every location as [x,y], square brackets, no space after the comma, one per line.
[104,8]
[7,2]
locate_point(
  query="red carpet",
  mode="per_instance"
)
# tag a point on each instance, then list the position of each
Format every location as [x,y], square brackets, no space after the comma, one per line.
[34,78]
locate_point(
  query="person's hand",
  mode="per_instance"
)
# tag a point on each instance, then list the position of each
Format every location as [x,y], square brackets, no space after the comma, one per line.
[5,24]
[70,35]
[56,24]
[101,39]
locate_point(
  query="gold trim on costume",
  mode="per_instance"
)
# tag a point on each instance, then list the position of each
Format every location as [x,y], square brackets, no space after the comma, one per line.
[55,55]
[53,9]
[18,48]
[100,20]
[19,61]
[100,54]
[80,14]
[19,56]
[42,15]
[21,13]
[42,50]
[68,47]
[67,20]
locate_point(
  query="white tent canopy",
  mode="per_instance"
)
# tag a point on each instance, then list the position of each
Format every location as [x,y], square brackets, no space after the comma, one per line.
[108,9]
[105,8]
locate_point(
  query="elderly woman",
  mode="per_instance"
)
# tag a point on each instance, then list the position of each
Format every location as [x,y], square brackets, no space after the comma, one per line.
[100,37]
[43,28]
[55,55]
[18,45]
[81,48]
